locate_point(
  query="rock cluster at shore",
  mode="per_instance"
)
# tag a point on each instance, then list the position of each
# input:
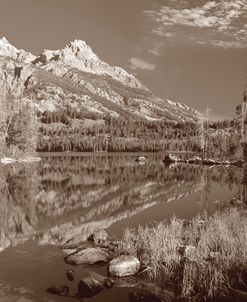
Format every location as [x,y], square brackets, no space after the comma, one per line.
[97,249]
[196,160]
[129,271]
[122,269]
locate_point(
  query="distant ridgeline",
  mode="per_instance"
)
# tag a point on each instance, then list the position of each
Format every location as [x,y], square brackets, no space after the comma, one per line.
[84,104]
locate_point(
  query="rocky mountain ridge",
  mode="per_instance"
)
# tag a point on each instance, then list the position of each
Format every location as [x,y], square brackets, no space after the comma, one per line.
[84,104]
[79,55]
[8,50]
[79,65]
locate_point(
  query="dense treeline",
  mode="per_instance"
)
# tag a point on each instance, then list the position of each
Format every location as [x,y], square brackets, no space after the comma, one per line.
[23,129]
[73,130]
[59,132]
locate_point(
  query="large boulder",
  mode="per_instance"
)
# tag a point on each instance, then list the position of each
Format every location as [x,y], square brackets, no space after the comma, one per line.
[123,266]
[88,256]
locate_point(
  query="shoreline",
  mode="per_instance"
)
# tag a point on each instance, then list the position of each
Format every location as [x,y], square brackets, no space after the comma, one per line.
[204,258]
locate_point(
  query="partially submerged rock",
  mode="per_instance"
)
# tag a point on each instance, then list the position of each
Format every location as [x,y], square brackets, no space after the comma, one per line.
[93,284]
[210,162]
[88,256]
[70,275]
[123,266]
[196,160]
[28,159]
[7,160]
[170,158]
[236,202]
[141,160]
[61,290]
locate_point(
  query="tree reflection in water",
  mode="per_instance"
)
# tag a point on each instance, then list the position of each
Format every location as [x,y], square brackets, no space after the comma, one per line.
[64,195]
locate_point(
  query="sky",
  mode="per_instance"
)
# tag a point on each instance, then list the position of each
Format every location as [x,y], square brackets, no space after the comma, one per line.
[190,51]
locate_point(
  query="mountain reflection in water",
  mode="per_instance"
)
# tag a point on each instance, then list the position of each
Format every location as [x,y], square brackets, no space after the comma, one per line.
[66,196]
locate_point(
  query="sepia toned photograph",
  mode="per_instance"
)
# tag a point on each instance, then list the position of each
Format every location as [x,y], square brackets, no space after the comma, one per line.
[123,150]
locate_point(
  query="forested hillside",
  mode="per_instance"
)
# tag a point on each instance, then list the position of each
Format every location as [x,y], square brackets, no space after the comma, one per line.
[70,100]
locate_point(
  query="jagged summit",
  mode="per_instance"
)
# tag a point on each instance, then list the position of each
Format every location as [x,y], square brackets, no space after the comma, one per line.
[76,77]
[74,51]
[75,55]
[8,50]
[4,40]
[78,55]
[80,48]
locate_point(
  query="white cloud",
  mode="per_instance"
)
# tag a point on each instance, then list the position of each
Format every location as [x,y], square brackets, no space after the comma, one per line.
[226,18]
[227,44]
[160,32]
[211,14]
[138,63]
[155,51]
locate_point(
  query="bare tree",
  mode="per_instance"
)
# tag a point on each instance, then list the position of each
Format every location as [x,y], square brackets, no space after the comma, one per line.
[203,130]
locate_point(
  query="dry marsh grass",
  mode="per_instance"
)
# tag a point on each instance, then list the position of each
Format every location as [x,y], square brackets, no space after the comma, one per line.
[203,257]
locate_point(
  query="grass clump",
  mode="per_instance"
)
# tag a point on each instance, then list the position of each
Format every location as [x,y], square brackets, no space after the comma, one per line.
[205,258]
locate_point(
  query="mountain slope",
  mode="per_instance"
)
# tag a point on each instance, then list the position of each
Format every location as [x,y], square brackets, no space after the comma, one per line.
[74,90]
[77,63]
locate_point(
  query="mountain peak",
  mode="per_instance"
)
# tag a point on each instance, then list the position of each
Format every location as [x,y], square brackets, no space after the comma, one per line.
[8,50]
[79,55]
[78,43]
[3,40]
[82,51]
[6,46]
[74,76]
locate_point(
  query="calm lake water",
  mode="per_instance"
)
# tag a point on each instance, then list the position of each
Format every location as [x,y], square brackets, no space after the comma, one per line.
[44,204]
